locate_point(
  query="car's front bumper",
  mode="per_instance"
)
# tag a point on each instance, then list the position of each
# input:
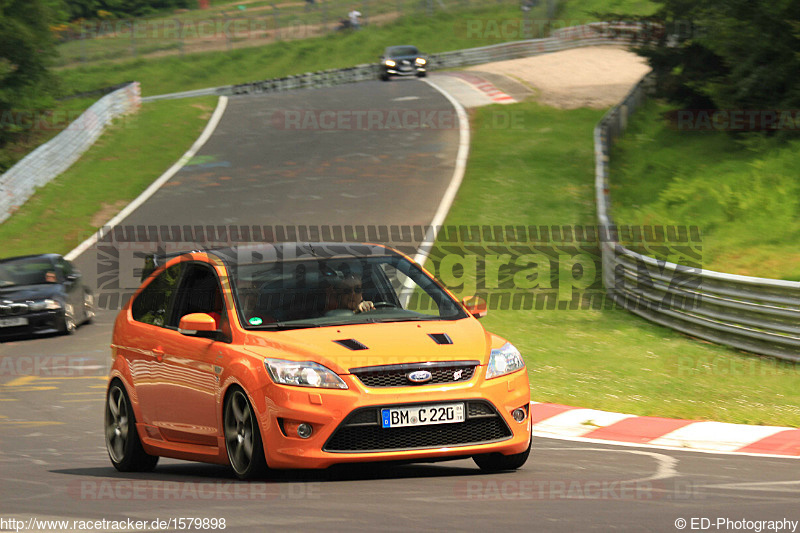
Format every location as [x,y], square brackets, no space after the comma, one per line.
[398,71]
[346,429]
[39,323]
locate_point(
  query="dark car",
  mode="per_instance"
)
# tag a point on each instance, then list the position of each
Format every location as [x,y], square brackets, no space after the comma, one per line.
[42,294]
[403,61]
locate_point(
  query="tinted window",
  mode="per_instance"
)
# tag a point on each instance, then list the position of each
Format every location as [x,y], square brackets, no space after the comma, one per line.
[25,271]
[322,292]
[154,303]
[199,292]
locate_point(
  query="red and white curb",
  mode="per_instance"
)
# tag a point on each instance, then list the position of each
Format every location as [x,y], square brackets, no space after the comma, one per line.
[495,94]
[554,420]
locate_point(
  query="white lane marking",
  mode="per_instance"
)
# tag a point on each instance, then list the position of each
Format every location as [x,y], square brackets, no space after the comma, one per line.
[455,181]
[151,190]
[666,464]
[405,98]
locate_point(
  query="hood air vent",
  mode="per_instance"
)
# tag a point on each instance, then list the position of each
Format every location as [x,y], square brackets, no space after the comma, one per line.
[351,344]
[440,338]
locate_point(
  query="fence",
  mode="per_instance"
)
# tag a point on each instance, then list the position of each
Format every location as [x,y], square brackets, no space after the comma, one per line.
[54,157]
[247,25]
[753,314]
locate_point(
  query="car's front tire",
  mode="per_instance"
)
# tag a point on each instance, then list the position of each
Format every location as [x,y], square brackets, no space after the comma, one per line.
[122,440]
[242,436]
[497,462]
[384,77]
[421,74]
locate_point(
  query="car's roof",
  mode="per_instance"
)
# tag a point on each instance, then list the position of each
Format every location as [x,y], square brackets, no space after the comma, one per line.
[31,256]
[287,251]
[402,47]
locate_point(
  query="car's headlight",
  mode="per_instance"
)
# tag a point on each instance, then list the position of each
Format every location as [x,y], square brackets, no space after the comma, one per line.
[420,61]
[503,361]
[303,374]
[41,305]
[389,63]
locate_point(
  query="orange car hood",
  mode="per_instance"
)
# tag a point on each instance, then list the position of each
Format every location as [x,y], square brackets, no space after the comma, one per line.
[386,344]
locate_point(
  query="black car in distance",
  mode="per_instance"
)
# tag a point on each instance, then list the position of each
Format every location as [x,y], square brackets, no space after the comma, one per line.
[42,294]
[403,60]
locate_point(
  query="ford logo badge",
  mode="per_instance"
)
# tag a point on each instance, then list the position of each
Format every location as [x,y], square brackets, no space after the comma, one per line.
[420,376]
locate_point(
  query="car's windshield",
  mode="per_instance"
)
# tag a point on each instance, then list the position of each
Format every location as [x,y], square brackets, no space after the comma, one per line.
[26,271]
[337,290]
[401,51]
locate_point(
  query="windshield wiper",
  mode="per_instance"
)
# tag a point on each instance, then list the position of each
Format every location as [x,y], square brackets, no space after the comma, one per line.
[403,319]
[290,325]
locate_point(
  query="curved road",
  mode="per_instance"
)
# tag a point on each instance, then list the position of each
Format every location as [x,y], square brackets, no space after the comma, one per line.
[268,164]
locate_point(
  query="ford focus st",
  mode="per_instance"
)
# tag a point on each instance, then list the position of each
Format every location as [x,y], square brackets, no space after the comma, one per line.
[308,355]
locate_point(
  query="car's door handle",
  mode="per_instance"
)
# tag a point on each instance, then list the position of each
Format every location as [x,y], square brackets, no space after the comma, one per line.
[159,353]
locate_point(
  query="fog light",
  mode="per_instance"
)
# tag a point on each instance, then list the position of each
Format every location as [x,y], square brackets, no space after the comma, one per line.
[304,431]
[519,414]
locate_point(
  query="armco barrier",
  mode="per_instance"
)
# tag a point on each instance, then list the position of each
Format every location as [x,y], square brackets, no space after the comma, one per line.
[57,155]
[592,34]
[753,314]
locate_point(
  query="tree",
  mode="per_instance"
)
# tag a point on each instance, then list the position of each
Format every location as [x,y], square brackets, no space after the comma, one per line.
[26,50]
[735,54]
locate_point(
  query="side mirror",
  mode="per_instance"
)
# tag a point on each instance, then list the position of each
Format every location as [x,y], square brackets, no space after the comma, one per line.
[75,276]
[475,305]
[198,325]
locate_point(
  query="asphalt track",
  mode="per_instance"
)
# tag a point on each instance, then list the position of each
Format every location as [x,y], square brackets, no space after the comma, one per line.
[53,461]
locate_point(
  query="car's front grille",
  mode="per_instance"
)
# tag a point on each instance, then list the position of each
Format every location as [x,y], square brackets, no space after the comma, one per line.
[361,431]
[13,309]
[398,375]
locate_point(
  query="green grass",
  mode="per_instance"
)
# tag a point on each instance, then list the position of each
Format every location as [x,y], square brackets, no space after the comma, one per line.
[441,32]
[743,193]
[542,174]
[586,9]
[121,164]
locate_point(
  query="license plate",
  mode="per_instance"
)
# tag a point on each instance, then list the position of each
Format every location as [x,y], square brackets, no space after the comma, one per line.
[12,322]
[422,415]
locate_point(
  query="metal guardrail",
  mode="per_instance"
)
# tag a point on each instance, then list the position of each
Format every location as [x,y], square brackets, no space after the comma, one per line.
[601,33]
[49,160]
[753,314]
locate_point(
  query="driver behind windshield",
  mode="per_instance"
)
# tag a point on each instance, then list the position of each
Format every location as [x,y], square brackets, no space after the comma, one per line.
[344,292]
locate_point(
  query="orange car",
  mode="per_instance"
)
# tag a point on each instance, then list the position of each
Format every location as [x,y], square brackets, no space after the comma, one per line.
[307,355]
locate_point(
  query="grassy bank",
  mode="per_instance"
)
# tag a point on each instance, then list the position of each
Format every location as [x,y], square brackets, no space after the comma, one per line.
[742,192]
[129,156]
[453,29]
[440,32]
[541,173]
